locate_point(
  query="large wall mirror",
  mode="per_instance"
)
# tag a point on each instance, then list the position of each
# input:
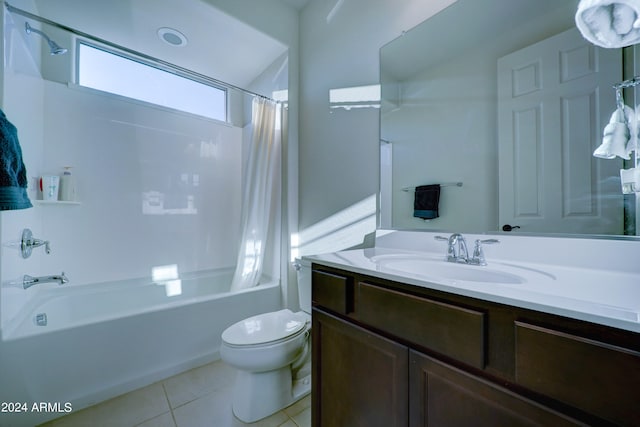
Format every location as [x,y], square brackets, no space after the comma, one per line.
[502,103]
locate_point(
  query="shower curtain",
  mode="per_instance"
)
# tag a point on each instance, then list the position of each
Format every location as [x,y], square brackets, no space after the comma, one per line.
[260,198]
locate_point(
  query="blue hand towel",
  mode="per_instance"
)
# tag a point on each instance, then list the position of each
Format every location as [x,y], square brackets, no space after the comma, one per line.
[425,203]
[13,175]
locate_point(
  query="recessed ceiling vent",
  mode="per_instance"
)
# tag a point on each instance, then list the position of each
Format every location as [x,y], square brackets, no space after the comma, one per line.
[172,36]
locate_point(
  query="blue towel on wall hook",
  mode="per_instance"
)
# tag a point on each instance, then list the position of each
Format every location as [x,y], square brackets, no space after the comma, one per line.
[13,174]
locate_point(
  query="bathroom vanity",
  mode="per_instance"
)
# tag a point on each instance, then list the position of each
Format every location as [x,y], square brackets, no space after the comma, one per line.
[394,349]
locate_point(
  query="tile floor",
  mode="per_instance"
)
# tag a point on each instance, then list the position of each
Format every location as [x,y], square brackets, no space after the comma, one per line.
[200,397]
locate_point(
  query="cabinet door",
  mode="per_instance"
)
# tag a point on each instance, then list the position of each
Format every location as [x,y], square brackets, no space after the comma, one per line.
[359,378]
[441,395]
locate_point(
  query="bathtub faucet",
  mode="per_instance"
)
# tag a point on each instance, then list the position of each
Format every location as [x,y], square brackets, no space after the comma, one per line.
[28,281]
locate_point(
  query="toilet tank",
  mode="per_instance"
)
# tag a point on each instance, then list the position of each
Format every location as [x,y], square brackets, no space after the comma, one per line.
[303,268]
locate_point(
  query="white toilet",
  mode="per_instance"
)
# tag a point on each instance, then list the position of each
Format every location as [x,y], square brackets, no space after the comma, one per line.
[272,353]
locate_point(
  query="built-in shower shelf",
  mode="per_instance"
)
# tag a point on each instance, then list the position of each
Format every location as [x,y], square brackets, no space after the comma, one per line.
[54,202]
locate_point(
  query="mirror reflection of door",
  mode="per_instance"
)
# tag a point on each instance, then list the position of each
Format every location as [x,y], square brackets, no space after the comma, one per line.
[554,99]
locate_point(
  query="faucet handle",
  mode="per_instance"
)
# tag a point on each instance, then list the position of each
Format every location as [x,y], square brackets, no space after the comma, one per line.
[445,239]
[39,242]
[478,253]
[28,242]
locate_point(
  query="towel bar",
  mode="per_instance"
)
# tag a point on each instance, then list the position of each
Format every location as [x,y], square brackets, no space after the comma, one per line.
[446,184]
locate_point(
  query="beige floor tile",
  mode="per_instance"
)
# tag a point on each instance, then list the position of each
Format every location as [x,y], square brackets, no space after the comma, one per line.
[210,410]
[214,410]
[127,410]
[299,406]
[273,421]
[199,397]
[199,382]
[164,420]
[303,419]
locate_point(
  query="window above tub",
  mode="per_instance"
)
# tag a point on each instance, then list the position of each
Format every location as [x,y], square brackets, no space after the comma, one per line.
[105,70]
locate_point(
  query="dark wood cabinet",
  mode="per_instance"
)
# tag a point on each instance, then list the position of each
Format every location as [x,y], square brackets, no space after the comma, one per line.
[448,329]
[595,376]
[386,353]
[441,395]
[360,378]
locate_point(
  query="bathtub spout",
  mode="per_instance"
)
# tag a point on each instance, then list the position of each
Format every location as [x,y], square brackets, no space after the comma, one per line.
[28,281]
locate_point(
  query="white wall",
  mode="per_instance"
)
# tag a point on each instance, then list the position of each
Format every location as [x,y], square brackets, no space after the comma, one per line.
[444,132]
[339,150]
[23,72]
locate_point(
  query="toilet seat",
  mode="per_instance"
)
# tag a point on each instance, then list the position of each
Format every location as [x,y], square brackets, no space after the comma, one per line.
[265,329]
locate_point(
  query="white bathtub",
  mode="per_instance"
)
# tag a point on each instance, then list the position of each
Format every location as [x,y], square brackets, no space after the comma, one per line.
[106,339]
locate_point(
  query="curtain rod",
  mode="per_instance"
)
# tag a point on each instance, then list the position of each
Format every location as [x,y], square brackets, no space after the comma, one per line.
[167,66]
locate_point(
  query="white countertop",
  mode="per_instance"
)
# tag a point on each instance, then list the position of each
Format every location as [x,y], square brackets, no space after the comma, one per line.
[596,295]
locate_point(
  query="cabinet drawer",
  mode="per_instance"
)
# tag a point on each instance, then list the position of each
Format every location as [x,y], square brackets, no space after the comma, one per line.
[332,291]
[446,329]
[596,377]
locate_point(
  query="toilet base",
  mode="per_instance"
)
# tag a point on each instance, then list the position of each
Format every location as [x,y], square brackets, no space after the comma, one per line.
[301,388]
[257,395]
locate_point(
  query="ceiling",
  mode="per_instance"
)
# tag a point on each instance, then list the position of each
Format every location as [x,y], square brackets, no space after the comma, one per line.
[219,45]
[400,59]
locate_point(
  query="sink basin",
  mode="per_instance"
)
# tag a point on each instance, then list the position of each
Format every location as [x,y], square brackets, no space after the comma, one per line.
[438,268]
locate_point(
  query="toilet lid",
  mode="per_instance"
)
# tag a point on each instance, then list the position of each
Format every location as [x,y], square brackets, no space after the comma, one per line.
[264,328]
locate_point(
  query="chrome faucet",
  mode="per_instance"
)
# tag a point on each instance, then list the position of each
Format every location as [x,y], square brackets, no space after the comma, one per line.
[457,249]
[28,281]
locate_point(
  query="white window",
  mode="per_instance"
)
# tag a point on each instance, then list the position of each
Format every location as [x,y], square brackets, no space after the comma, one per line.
[114,73]
[355,97]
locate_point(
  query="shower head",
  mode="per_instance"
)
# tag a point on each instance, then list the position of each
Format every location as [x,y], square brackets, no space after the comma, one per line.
[54,47]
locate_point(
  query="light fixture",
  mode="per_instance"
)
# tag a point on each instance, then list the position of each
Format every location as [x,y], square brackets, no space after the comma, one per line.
[172,36]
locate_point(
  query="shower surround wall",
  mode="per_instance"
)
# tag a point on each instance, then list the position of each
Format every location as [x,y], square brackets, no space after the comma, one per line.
[156,187]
